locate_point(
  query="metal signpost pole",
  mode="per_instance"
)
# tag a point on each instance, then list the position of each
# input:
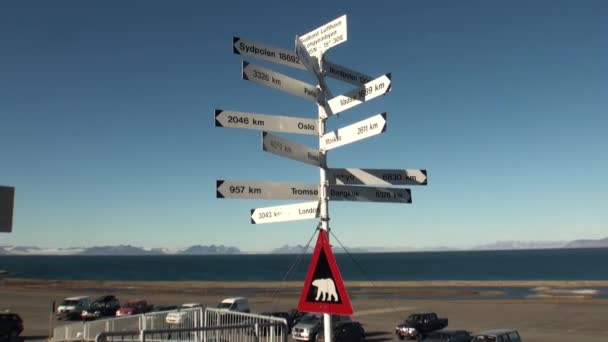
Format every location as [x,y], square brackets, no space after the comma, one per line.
[324,186]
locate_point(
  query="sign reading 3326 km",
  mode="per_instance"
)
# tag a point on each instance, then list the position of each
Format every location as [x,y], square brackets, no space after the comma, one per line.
[276,80]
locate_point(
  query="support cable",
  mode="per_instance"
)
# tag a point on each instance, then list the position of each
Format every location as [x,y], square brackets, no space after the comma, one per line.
[365,275]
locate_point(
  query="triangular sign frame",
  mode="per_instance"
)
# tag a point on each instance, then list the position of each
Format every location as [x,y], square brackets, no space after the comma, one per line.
[324,290]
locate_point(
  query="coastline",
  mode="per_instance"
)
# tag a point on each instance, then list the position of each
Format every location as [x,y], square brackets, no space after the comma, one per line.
[180,284]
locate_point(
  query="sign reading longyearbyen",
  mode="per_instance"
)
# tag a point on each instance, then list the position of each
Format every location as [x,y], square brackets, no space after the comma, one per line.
[325,37]
[324,289]
[7,201]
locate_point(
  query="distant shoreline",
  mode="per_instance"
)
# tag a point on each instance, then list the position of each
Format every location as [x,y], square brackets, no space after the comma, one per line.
[189,284]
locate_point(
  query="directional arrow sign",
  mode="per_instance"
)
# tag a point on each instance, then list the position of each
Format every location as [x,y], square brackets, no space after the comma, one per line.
[325,37]
[263,122]
[368,91]
[345,74]
[355,132]
[369,194]
[266,190]
[377,176]
[279,81]
[290,212]
[283,147]
[269,53]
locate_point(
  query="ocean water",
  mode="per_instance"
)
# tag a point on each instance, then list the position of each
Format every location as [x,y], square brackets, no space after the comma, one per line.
[554,264]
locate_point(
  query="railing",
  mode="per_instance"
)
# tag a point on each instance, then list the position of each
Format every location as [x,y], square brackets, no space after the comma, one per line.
[183,330]
[228,333]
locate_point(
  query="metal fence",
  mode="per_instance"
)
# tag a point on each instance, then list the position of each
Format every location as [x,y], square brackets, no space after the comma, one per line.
[228,333]
[184,330]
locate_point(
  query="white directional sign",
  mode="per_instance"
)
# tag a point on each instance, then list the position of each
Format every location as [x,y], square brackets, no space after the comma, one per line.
[377,176]
[325,37]
[345,74]
[266,190]
[290,212]
[283,147]
[269,53]
[355,132]
[366,92]
[369,194]
[263,122]
[276,80]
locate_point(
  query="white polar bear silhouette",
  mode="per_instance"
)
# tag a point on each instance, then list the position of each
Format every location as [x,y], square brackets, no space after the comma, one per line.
[326,289]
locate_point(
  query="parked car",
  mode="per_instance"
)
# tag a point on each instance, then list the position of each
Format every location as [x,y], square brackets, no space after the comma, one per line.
[72,307]
[310,325]
[420,323]
[103,306]
[134,307]
[240,304]
[11,326]
[345,332]
[446,336]
[182,315]
[498,335]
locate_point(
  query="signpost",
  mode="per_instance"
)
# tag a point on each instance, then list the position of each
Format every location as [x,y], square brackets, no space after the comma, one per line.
[323,289]
[369,194]
[264,122]
[289,212]
[276,80]
[266,52]
[325,37]
[366,92]
[273,144]
[266,190]
[355,132]
[377,177]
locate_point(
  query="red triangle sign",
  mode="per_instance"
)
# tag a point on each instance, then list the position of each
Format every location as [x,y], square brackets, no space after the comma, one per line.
[324,289]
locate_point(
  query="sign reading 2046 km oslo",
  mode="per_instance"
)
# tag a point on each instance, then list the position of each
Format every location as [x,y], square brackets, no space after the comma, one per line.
[324,289]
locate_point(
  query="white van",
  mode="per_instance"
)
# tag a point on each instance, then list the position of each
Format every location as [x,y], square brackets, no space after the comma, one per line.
[72,307]
[239,304]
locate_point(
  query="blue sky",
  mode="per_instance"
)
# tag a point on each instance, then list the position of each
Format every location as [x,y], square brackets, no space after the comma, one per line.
[106,120]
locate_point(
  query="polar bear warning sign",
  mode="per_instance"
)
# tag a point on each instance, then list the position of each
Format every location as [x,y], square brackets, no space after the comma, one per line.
[323,289]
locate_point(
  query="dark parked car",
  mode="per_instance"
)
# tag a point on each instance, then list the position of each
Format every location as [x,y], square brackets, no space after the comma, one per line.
[11,326]
[345,332]
[104,306]
[446,336]
[420,323]
[498,335]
